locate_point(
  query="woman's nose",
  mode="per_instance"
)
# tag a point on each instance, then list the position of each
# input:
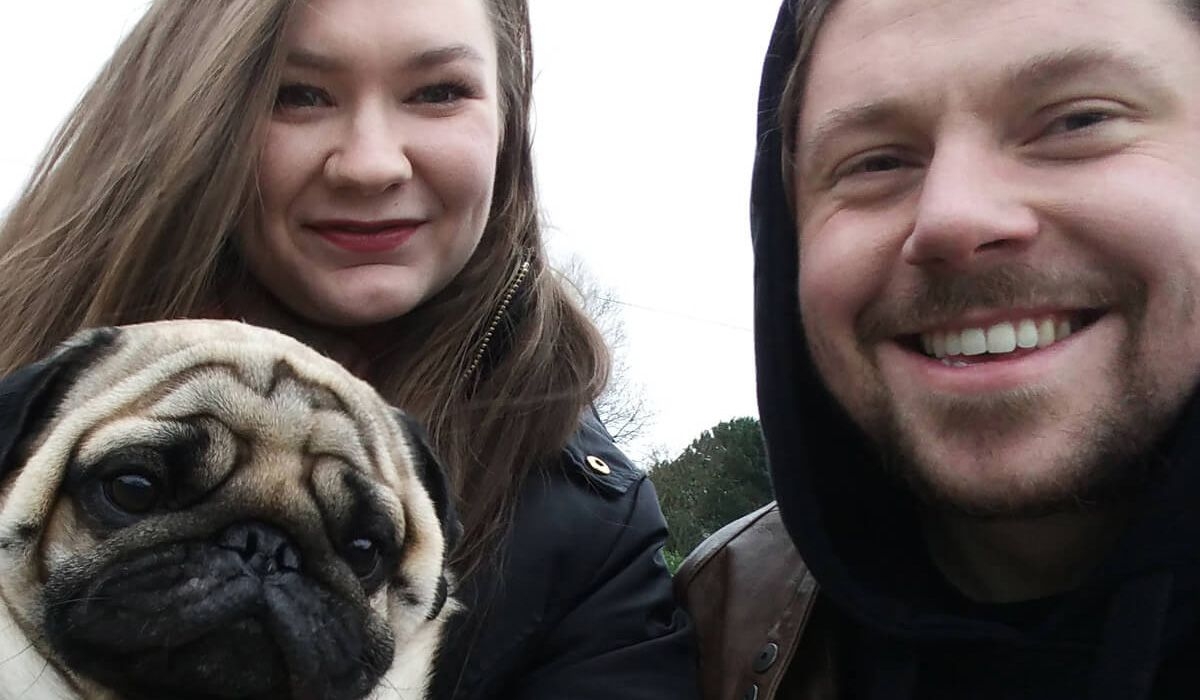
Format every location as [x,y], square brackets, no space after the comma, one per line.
[371,156]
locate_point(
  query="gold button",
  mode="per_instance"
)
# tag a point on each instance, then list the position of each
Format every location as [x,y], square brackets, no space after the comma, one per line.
[599,465]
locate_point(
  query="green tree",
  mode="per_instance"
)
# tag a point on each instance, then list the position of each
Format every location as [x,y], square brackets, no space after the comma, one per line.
[721,476]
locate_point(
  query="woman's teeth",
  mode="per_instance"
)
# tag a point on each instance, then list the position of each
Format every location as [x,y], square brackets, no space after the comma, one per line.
[999,339]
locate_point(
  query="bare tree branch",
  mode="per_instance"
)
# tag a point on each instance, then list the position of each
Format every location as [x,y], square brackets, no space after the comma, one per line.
[622,407]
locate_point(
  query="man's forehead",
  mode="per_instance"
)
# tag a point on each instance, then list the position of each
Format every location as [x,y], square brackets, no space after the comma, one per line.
[880,31]
[865,17]
[873,52]
[1020,77]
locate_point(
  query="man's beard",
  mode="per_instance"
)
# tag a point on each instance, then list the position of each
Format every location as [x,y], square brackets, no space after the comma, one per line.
[1107,462]
[1108,457]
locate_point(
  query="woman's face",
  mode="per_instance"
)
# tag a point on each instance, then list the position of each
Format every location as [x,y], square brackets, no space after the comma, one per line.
[377,170]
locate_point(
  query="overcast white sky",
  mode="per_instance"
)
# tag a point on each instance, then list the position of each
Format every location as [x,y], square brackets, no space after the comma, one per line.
[645,136]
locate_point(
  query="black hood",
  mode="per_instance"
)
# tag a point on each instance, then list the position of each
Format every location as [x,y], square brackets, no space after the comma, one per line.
[842,515]
[858,530]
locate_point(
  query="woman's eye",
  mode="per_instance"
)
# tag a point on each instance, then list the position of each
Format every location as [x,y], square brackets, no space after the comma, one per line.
[301,97]
[442,93]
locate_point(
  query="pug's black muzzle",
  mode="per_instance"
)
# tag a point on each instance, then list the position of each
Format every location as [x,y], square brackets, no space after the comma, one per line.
[230,618]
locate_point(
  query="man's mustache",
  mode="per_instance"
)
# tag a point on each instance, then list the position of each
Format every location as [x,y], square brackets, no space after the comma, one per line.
[941,297]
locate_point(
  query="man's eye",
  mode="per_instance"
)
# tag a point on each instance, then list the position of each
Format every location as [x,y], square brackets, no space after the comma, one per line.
[874,164]
[301,97]
[1077,121]
[442,93]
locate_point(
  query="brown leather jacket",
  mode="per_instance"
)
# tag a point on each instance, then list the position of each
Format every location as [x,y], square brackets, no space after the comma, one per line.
[762,632]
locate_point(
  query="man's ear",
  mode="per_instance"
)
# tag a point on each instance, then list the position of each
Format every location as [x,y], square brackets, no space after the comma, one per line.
[433,477]
[29,396]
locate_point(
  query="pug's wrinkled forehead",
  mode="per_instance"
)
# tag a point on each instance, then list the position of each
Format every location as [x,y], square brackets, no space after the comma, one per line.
[256,371]
[259,385]
[253,387]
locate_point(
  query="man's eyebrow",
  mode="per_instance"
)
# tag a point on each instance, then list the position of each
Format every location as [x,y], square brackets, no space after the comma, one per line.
[1038,73]
[1048,69]
[424,60]
[843,119]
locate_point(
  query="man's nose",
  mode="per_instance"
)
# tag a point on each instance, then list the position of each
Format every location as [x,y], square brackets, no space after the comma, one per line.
[971,210]
[371,157]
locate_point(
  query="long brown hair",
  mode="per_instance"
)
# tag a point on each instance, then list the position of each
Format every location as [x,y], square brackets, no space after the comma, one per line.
[129,217]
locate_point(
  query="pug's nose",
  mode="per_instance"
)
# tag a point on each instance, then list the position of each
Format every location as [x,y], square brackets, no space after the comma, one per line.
[264,548]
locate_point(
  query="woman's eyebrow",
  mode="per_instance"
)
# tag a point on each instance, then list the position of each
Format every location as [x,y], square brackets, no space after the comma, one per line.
[423,60]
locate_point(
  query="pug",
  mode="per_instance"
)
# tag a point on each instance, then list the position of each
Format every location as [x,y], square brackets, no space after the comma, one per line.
[205,509]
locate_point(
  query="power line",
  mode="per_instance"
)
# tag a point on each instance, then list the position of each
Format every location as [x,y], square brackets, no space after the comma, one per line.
[678,314]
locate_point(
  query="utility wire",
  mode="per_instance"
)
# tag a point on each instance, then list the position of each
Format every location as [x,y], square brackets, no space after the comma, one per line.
[678,314]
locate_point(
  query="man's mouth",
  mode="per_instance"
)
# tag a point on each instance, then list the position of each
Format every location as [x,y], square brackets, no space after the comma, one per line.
[963,344]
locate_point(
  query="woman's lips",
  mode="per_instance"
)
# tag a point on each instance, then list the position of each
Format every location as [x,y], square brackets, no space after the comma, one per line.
[366,236]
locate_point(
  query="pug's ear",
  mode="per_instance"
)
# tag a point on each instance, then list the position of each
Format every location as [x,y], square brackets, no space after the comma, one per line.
[29,395]
[433,477]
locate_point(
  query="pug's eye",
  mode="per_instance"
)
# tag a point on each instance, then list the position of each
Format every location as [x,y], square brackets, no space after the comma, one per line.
[133,493]
[364,558]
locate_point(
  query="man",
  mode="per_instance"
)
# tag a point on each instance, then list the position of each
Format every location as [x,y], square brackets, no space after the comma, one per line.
[977,231]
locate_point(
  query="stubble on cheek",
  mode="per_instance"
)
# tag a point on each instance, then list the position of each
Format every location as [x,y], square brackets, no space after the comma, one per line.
[854,381]
[1038,449]
[1030,452]
[1025,452]
[994,416]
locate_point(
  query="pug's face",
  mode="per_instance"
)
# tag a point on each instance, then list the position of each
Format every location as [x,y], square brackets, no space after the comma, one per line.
[204,509]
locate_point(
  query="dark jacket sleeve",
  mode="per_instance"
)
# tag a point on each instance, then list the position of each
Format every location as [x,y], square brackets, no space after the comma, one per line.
[580,605]
[625,637]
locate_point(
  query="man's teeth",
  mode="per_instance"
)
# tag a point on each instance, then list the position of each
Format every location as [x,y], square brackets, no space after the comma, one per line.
[999,339]
[974,342]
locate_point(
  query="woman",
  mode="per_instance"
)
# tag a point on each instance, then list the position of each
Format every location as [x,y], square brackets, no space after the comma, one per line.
[357,173]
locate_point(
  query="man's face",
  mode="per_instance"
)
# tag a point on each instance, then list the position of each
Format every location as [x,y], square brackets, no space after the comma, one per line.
[998,206]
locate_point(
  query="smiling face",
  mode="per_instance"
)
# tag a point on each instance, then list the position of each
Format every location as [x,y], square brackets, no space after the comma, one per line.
[1000,238]
[377,171]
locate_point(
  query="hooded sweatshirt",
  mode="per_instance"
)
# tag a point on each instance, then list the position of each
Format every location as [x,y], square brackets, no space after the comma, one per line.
[1129,633]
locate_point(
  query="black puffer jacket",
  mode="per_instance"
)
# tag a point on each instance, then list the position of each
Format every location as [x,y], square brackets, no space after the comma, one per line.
[581,606]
